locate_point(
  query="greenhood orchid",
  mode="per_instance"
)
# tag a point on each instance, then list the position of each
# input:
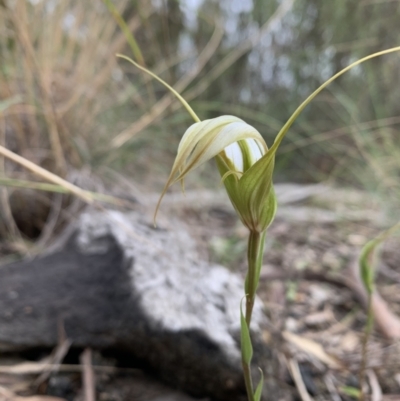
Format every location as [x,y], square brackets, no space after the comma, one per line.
[244,161]
[238,149]
[246,166]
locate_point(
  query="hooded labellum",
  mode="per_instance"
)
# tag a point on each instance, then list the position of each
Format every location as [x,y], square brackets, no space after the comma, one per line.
[244,154]
[241,154]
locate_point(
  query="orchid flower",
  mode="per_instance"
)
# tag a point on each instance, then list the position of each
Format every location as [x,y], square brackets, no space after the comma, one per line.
[238,149]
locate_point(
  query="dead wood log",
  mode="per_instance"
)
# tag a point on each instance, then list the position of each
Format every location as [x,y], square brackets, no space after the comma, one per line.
[119,284]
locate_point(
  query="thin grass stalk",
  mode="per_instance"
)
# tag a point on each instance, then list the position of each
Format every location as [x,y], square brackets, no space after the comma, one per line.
[101,77]
[364,346]
[31,97]
[137,53]
[19,20]
[71,37]
[8,225]
[47,175]
[44,186]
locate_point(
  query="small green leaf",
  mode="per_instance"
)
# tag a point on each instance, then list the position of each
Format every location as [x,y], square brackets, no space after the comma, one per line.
[247,348]
[351,391]
[368,257]
[366,268]
[257,394]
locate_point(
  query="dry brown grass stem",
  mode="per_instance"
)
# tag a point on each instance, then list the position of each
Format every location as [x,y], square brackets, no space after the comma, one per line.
[89,386]
[47,175]
[20,22]
[103,75]
[9,225]
[298,380]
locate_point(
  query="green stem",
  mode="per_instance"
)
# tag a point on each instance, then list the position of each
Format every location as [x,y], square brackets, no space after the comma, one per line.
[255,253]
[248,380]
[367,333]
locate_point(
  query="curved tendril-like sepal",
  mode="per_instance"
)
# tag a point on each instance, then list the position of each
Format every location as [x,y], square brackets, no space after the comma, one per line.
[178,96]
[303,105]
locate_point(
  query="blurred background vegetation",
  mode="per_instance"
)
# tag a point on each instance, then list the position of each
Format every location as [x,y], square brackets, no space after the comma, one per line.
[69,105]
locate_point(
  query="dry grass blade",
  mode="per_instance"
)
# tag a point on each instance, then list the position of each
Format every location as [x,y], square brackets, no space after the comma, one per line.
[19,19]
[96,81]
[328,379]
[40,398]
[89,385]
[56,188]
[55,86]
[9,222]
[7,395]
[32,368]
[47,175]
[9,226]
[298,380]
[313,348]
[55,361]
[375,386]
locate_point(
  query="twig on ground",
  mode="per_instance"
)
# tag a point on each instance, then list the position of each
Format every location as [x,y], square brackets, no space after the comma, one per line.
[376,391]
[330,385]
[8,395]
[313,348]
[55,361]
[387,322]
[89,386]
[298,380]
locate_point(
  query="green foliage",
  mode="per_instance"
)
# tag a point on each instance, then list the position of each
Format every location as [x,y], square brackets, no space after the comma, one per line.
[351,391]
[245,340]
[366,267]
[127,32]
[367,256]
[258,392]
